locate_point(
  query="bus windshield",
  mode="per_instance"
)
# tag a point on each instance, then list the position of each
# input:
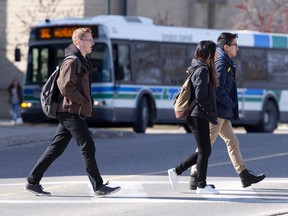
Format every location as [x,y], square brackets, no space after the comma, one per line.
[43,60]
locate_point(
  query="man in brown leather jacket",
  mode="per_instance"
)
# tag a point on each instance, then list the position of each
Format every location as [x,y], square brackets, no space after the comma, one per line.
[75,104]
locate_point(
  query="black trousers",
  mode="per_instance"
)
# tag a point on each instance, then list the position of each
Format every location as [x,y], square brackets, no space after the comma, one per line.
[70,125]
[200,130]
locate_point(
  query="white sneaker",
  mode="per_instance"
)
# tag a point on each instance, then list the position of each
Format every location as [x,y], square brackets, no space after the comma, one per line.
[173,177]
[19,121]
[207,190]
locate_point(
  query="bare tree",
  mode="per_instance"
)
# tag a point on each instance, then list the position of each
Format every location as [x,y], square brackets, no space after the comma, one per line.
[47,9]
[162,19]
[40,10]
[264,16]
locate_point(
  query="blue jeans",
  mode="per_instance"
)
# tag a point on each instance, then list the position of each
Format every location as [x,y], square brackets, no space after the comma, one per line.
[15,111]
[200,130]
[70,125]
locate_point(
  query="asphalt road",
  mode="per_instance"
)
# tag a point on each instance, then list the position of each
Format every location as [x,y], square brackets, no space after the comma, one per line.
[139,163]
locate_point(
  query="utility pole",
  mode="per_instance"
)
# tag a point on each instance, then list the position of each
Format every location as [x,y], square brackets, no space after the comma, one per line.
[108,7]
[211,10]
[124,7]
[211,13]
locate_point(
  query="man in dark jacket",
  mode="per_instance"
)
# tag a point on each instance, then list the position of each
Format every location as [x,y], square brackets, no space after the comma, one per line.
[227,109]
[75,104]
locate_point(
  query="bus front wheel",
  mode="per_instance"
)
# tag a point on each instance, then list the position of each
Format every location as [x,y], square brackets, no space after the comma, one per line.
[142,118]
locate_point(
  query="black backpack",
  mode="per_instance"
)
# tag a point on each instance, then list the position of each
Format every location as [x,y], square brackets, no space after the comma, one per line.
[50,92]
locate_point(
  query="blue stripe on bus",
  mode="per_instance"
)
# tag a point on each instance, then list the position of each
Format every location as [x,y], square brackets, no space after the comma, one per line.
[261,41]
[111,89]
[156,89]
[254,92]
[125,89]
[28,91]
[134,89]
[170,92]
[106,89]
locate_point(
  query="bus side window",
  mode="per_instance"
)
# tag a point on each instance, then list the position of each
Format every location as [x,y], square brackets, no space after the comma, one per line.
[173,65]
[121,61]
[146,63]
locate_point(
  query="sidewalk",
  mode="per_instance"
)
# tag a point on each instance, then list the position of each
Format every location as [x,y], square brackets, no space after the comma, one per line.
[11,135]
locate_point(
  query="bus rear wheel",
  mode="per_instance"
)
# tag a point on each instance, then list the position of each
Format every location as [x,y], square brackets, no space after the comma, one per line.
[270,118]
[268,122]
[142,118]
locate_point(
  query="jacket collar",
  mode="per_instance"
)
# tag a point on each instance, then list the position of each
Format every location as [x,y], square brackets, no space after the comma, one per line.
[223,55]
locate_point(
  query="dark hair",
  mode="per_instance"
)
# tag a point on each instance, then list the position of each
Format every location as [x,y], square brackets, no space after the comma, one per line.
[205,52]
[225,39]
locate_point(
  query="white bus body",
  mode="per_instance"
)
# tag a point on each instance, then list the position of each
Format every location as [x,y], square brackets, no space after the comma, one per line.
[139,67]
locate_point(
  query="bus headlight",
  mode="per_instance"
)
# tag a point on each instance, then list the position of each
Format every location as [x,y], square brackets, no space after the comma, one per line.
[96,103]
[25,105]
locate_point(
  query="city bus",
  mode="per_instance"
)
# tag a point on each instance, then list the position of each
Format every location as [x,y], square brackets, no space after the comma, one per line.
[139,67]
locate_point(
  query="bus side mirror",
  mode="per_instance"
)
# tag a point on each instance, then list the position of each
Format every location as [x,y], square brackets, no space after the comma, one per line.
[17,55]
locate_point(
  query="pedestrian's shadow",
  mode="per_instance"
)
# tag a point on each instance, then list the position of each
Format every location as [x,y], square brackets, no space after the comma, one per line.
[259,195]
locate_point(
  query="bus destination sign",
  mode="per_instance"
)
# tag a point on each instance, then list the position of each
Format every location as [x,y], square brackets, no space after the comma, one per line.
[59,32]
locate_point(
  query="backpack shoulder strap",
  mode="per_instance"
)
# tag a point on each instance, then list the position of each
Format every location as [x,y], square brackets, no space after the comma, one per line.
[78,62]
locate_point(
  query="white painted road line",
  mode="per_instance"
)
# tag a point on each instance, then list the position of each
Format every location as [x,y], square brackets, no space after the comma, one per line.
[145,192]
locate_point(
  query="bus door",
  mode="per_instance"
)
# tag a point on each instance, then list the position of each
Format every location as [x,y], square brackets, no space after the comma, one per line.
[121,62]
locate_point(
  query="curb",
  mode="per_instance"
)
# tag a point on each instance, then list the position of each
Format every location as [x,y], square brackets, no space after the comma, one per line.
[19,136]
[15,140]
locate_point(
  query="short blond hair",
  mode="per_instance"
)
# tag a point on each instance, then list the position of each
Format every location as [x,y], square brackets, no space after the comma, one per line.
[79,34]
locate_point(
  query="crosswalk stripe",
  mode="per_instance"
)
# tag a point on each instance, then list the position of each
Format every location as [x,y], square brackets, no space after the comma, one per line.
[137,192]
